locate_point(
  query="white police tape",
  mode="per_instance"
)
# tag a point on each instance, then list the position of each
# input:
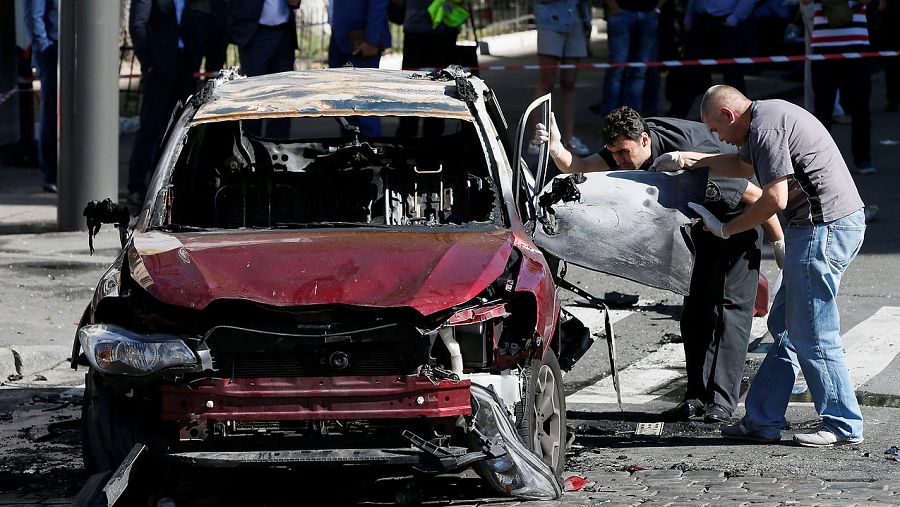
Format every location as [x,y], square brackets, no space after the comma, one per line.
[663,63]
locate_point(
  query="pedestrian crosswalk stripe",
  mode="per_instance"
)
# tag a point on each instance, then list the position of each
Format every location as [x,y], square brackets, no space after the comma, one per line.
[592,318]
[872,344]
[647,379]
[869,347]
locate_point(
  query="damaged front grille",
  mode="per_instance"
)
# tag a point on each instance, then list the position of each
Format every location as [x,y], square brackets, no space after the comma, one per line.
[395,349]
[315,363]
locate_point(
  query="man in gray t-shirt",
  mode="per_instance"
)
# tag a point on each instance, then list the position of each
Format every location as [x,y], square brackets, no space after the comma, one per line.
[804,177]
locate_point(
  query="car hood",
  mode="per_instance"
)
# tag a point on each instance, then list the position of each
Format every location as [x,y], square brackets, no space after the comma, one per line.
[428,271]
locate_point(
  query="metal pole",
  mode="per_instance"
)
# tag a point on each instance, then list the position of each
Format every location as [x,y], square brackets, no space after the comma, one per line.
[88,107]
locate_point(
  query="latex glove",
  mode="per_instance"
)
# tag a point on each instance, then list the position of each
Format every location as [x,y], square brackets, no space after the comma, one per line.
[668,162]
[778,252]
[551,135]
[710,222]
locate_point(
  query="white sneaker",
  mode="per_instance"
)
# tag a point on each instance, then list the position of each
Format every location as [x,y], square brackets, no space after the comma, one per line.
[577,147]
[823,437]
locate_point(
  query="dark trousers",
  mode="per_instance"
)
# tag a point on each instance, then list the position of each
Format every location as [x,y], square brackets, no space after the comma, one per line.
[709,38]
[161,91]
[368,126]
[852,78]
[270,50]
[717,315]
[426,50]
[46,65]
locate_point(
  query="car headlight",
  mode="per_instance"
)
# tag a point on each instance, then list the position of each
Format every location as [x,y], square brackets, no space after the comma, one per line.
[116,350]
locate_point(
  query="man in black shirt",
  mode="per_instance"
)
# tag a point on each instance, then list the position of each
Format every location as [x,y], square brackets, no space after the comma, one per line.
[717,315]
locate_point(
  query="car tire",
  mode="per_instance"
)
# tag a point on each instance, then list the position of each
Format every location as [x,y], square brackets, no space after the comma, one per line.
[111,425]
[541,414]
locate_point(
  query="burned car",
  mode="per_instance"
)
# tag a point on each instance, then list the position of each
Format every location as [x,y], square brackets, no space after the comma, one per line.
[332,298]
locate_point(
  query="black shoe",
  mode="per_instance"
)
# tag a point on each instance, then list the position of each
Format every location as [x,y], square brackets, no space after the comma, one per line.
[716,414]
[684,411]
[50,188]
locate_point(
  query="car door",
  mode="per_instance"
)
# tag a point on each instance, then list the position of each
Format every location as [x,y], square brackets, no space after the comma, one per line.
[633,224]
[531,170]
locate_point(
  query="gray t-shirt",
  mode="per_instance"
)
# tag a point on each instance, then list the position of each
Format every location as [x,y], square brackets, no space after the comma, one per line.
[786,140]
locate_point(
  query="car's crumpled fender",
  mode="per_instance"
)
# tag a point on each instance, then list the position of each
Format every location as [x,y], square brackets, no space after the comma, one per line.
[626,223]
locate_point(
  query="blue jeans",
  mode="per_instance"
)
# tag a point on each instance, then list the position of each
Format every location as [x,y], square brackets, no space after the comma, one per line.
[632,37]
[806,325]
[46,64]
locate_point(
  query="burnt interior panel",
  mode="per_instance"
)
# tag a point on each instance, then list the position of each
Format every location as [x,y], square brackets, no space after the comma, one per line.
[226,178]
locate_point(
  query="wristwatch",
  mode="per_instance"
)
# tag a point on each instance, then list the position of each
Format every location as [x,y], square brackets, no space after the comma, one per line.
[657,11]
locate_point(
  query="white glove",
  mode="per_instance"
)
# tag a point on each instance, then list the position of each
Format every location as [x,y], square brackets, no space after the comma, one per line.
[543,135]
[710,222]
[778,252]
[668,162]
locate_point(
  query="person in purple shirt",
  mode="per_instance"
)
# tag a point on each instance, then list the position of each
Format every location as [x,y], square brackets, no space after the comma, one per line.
[42,24]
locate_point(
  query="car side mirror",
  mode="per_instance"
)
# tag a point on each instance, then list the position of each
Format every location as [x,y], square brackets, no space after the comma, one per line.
[97,213]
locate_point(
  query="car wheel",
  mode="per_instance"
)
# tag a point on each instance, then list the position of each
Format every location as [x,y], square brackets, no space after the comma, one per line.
[111,425]
[541,415]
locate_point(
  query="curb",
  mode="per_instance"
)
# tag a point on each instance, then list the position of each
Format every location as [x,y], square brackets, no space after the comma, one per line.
[28,228]
[7,364]
[30,359]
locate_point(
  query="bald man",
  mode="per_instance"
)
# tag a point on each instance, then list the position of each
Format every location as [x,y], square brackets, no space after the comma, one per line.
[804,177]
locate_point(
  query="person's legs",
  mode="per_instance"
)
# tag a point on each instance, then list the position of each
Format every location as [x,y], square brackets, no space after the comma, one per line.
[824,84]
[856,92]
[269,51]
[368,127]
[700,316]
[733,43]
[47,141]
[413,46]
[156,92]
[643,49]
[254,62]
[618,29]
[688,82]
[770,391]
[280,44]
[815,325]
[567,79]
[742,259]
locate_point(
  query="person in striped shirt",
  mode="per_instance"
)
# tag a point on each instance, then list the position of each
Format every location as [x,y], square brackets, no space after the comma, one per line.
[839,26]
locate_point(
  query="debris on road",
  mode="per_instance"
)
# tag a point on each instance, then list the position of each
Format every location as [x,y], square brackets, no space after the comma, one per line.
[618,300]
[576,483]
[672,338]
[648,431]
[893,453]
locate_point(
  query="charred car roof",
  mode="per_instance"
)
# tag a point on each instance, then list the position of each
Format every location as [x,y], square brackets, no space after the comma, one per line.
[333,92]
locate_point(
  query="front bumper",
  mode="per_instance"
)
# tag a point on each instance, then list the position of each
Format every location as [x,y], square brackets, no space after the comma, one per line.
[315,399]
[299,457]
